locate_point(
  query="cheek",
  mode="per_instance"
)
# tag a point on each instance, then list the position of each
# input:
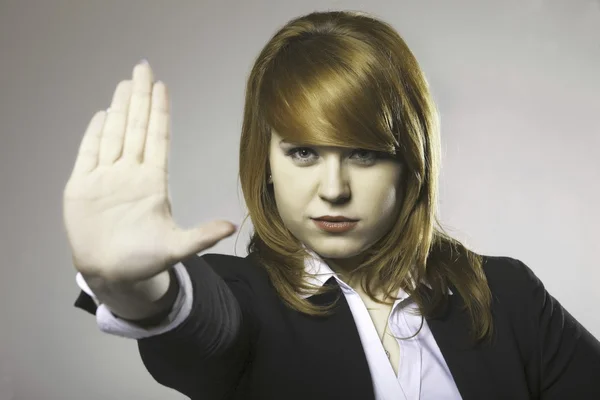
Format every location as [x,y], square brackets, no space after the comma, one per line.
[387,201]
[390,202]
[292,187]
[290,202]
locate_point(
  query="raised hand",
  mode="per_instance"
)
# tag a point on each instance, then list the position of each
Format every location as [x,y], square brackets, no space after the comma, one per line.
[117,212]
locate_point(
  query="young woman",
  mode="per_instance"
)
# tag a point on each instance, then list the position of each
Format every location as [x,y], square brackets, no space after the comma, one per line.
[351,289]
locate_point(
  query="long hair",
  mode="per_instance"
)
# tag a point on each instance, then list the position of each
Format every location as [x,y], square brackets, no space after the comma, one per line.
[348,79]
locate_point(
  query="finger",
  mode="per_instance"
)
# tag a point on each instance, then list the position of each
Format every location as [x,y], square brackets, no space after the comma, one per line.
[87,157]
[156,151]
[184,243]
[111,144]
[139,110]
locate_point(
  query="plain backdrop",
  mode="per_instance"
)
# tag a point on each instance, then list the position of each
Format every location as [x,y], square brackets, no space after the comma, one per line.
[518,87]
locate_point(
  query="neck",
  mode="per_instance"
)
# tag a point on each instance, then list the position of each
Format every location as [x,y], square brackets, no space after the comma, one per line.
[343,267]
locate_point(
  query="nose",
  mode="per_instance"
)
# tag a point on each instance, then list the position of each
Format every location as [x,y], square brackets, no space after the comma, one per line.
[334,186]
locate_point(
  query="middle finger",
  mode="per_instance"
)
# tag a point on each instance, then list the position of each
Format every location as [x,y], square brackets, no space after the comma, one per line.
[139,110]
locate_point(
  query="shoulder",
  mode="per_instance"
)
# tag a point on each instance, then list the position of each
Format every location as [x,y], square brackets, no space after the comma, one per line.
[519,300]
[563,356]
[509,276]
[518,295]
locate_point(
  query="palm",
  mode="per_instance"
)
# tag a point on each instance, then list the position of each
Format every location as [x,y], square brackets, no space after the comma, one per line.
[116,207]
[117,216]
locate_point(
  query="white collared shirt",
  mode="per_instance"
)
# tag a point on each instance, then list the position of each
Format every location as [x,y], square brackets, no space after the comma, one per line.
[422,370]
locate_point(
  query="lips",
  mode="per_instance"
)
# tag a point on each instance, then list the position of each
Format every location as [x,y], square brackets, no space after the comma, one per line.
[335,224]
[332,218]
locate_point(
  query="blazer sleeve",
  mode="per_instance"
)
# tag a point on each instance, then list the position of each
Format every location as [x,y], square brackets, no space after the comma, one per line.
[567,354]
[107,322]
[205,356]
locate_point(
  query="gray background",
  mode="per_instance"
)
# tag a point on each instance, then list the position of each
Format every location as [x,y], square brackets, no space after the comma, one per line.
[517,83]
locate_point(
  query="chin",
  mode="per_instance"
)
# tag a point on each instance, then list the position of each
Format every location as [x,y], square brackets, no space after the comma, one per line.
[336,250]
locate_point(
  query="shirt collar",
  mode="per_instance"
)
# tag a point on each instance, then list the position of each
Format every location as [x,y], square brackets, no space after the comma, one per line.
[318,272]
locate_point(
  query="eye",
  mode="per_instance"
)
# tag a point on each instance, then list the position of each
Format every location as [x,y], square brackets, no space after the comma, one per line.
[300,154]
[366,156]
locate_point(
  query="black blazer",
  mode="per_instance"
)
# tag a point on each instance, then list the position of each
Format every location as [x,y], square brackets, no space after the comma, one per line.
[241,342]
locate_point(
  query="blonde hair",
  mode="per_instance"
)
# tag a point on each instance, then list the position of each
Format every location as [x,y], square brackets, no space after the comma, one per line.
[348,79]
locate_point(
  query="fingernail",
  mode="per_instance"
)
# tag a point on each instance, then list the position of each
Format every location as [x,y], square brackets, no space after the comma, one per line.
[144,61]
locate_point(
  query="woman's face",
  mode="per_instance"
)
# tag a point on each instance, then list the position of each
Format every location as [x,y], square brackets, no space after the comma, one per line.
[314,181]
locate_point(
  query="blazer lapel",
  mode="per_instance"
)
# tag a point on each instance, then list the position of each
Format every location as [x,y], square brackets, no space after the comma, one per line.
[339,340]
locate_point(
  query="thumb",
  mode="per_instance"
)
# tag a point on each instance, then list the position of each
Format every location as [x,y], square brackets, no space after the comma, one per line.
[185,242]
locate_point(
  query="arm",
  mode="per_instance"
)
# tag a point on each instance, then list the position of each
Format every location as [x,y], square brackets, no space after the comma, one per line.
[203,345]
[567,354]
[206,355]
[180,288]
[145,304]
[120,228]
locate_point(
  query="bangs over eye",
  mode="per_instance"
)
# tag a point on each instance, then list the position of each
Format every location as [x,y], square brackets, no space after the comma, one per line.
[329,92]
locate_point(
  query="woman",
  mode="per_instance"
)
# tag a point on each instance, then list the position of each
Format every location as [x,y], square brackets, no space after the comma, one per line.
[350,289]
